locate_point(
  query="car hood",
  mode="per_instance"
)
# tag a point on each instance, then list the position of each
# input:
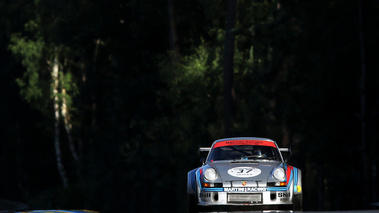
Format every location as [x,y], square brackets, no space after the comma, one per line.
[245,173]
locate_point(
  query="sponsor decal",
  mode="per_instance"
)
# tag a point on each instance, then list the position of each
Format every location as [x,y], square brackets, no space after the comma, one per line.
[284,199]
[298,188]
[244,183]
[243,172]
[283,194]
[244,142]
[245,189]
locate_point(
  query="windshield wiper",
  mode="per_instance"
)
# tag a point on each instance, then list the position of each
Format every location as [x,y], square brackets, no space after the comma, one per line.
[255,156]
[248,157]
[273,158]
[258,157]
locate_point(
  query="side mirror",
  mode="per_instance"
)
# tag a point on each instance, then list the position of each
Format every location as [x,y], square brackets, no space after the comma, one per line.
[202,160]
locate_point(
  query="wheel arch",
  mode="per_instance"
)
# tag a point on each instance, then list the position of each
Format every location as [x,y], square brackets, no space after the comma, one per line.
[298,184]
[191,182]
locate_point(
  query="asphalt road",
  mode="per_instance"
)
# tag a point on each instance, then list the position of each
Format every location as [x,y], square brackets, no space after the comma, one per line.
[50,211]
[352,211]
[278,211]
[8,206]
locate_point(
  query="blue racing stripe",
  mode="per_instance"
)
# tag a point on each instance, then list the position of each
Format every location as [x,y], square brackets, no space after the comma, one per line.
[213,189]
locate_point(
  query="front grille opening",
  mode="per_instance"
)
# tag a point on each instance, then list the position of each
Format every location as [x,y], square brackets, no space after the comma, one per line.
[273,196]
[245,198]
[215,196]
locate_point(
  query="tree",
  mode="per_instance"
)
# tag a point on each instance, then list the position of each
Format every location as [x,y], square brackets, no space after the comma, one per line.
[173,36]
[40,56]
[363,114]
[229,65]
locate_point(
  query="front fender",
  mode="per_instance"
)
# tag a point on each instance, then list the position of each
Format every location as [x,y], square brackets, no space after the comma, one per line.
[191,182]
[298,186]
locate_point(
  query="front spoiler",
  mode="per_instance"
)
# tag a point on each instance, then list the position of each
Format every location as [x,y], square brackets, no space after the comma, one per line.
[220,198]
[230,208]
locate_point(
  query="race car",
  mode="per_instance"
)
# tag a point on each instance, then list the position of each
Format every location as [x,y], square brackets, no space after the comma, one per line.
[245,171]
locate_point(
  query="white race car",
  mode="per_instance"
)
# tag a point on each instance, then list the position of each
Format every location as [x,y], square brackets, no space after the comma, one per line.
[245,172]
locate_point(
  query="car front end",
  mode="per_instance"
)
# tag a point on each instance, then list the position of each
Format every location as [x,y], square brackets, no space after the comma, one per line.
[245,172]
[247,187]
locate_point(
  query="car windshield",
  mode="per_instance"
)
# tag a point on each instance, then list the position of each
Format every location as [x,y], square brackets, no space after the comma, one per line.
[244,152]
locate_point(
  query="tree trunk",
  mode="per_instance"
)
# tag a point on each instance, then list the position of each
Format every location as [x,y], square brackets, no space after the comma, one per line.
[228,66]
[58,154]
[363,113]
[68,128]
[320,187]
[173,37]
[92,83]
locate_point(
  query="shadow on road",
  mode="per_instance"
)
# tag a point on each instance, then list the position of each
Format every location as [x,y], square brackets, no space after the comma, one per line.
[12,205]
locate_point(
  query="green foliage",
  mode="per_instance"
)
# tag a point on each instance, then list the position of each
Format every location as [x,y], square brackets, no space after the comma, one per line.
[36,51]
[31,53]
[194,82]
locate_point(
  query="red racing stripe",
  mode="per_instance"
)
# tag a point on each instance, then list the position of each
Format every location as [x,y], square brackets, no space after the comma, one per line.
[288,173]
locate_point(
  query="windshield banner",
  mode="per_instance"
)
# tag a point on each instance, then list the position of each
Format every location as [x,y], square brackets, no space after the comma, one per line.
[244,142]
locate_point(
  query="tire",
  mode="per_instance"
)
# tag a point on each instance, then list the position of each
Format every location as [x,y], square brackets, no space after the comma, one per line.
[297,202]
[192,204]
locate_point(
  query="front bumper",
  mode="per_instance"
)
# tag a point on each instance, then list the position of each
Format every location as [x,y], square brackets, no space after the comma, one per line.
[223,196]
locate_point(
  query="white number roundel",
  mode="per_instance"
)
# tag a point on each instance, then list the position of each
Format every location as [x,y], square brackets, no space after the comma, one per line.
[244,172]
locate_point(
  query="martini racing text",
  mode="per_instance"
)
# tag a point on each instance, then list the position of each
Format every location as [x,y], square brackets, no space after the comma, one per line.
[245,189]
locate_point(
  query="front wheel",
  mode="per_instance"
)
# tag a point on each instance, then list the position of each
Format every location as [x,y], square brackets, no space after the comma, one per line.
[297,202]
[192,203]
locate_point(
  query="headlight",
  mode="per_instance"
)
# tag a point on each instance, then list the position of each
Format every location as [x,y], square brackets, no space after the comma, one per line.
[279,174]
[210,174]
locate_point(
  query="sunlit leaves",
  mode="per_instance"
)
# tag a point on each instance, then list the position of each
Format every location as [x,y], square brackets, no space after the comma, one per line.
[31,54]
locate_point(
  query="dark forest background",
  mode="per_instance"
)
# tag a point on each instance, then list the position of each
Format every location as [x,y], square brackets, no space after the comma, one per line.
[105,103]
